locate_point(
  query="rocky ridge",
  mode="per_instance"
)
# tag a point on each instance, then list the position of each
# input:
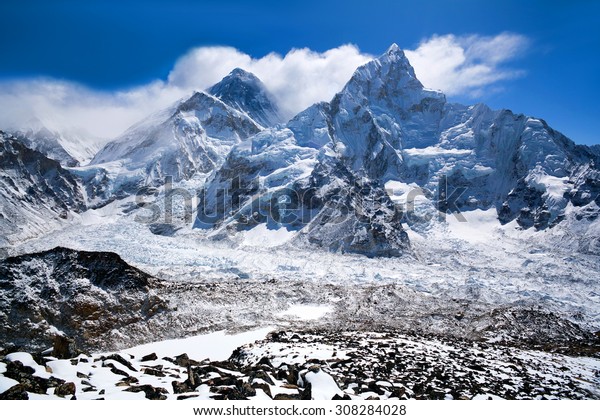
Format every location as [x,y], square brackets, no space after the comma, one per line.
[86,296]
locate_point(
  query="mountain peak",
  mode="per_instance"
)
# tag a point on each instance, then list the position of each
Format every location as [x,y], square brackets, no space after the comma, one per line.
[242,74]
[393,65]
[394,49]
[389,79]
[397,59]
[245,92]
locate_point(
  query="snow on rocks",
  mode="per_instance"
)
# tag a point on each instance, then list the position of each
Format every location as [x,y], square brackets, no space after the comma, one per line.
[393,365]
[290,365]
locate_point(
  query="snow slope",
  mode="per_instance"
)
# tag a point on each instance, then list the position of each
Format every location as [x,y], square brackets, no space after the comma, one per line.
[70,147]
[192,136]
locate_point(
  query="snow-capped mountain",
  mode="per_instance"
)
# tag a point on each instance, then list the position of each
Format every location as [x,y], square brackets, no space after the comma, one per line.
[246,93]
[351,174]
[46,142]
[34,191]
[347,172]
[70,147]
[190,137]
[194,135]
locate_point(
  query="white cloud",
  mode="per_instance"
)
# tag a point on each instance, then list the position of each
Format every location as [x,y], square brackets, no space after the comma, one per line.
[297,80]
[466,65]
[65,105]
[457,65]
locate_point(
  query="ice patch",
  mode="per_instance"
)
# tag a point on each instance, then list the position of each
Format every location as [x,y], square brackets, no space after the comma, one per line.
[264,237]
[420,156]
[480,225]
[399,190]
[553,185]
[214,346]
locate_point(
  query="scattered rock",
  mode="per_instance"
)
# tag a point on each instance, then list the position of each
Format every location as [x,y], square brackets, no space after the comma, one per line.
[149,357]
[115,369]
[398,393]
[24,375]
[306,393]
[366,365]
[185,397]
[16,392]
[292,377]
[65,389]
[248,390]
[128,381]
[265,387]
[151,392]
[154,372]
[265,361]
[261,374]
[123,361]
[64,347]
[287,397]
[181,387]
[227,394]
[184,361]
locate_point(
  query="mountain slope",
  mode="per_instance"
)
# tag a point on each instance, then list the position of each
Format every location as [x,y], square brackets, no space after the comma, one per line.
[46,142]
[194,135]
[34,191]
[70,147]
[189,137]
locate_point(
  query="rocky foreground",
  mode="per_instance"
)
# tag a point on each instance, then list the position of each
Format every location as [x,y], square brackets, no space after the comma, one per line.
[317,365]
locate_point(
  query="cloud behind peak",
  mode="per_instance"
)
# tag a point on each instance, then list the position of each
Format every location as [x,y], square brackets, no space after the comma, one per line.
[458,65]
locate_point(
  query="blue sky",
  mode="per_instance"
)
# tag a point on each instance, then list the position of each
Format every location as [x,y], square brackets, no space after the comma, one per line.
[115,45]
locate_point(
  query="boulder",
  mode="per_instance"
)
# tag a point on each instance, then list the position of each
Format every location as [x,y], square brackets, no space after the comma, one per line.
[149,357]
[65,389]
[16,392]
[152,393]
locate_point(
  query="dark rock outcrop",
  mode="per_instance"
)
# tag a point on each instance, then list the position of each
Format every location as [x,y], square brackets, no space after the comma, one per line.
[83,294]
